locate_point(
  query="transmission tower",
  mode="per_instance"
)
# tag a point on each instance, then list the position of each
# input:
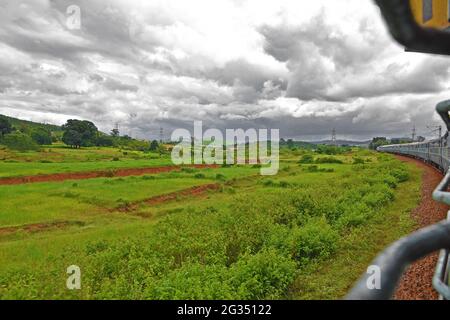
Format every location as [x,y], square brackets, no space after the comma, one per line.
[414,132]
[333,137]
[161,134]
[436,129]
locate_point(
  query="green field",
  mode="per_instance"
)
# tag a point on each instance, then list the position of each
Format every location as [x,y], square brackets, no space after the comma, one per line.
[306,233]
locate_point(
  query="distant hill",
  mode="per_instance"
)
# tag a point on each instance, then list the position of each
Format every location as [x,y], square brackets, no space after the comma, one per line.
[298,144]
[18,123]
[344,143]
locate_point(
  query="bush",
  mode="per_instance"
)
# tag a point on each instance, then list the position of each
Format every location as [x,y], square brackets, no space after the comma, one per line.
[402,175]
[105,141]
[265,275]
[19,141]
[357,160]
[192,282]
[41,136]
[188,170]
[315,240]
[307,159]
[268,183]
[354,216]
[220,177]
[329,160]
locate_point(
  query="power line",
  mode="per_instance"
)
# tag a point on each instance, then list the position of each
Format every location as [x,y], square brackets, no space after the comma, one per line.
[333,137]
[436,129]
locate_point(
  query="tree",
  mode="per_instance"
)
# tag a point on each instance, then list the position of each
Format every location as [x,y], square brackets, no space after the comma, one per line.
[79,133]
[290,143]
[41,136]
[377,142]
[5,126]
[20,142]
[105,141]
[115,132]
[154,145]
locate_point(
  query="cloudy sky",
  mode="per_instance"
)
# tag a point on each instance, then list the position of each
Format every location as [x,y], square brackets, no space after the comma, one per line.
[303,66]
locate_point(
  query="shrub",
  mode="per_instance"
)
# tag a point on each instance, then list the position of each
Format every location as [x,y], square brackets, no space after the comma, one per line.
[313,169]
[19,141]
[401,174]
[268,183]
[354,216]
[330,160]
[357,160]
[41,136]
[192,282]
[307,159]
[315,240]
[378,197]
[220,177]
[104,141]
[265,275]
[199,176]
[188,170]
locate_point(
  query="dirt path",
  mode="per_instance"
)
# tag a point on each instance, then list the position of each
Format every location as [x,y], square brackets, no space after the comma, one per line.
[195,191]
[416,284]
[39,227]
[58,177]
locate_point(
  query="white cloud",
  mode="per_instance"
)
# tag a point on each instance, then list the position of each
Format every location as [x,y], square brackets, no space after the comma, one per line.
[250,63]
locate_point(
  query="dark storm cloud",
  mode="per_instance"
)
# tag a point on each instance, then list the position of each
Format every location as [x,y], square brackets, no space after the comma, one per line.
[327,64]
[150,64]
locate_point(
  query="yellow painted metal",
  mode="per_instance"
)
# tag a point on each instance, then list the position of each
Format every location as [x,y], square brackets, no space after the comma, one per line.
[440,13]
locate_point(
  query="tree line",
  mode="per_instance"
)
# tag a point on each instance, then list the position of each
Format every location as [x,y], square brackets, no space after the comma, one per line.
[75,134]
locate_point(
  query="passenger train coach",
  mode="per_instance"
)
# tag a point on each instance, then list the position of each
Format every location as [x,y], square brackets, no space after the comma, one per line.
[435,152]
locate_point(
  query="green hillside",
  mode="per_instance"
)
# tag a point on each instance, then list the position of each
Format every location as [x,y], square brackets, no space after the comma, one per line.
[18,124]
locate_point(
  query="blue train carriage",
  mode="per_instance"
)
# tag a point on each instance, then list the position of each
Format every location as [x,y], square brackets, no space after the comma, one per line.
[435,152]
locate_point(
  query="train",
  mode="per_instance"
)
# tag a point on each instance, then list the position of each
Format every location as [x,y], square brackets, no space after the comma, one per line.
[435,152]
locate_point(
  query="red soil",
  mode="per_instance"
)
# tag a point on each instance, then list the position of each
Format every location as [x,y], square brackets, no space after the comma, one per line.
[416,283]
[195,191]
[37,227]
[57,177]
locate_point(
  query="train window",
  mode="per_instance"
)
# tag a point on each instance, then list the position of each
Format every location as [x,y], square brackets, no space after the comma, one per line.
[427,10]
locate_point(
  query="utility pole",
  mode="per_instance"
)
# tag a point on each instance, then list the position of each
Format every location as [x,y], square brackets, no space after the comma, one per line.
[436,129]
[333,137]
[161,134]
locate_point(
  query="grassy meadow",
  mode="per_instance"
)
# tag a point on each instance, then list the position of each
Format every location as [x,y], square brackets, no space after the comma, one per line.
[306,233]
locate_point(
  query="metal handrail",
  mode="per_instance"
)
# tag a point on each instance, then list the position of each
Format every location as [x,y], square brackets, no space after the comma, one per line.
[394,260]
[441,194]
[441,275]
